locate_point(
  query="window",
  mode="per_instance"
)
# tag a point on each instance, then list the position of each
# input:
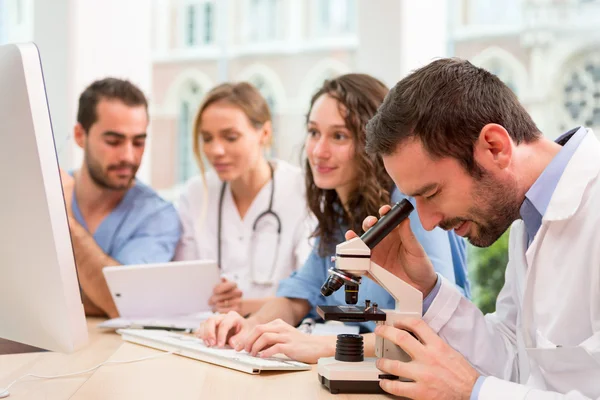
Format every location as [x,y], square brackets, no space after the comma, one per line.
[329,74]
[198,23]
[208,23]
[190,26]
[493,12]
[335,17]
[267,92]
[189,103]
[581,92]
[265,89]
[263,20]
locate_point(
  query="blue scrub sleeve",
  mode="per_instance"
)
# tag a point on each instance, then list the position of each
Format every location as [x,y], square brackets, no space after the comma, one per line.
[307,281]
[154,241]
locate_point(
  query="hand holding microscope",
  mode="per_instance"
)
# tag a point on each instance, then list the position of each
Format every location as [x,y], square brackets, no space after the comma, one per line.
[349,371]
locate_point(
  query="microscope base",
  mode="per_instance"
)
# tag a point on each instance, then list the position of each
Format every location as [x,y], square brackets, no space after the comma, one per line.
[335,387]
[351,377]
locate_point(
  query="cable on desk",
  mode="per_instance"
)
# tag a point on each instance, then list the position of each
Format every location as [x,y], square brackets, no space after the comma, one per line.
[4,392]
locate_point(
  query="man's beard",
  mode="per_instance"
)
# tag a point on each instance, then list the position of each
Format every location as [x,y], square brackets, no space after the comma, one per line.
[496,207]
[101,178]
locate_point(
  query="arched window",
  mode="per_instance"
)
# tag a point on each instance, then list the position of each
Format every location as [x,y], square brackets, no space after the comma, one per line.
[581,92]
[325,69]
[197,21]
[327,74]
[190,98]
[267,91]
[505,66]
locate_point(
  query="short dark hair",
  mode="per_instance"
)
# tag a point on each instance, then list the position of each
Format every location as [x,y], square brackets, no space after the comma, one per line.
[109,89]
[445,104]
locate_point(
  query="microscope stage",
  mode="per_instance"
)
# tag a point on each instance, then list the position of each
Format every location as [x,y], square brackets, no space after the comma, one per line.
[349,313]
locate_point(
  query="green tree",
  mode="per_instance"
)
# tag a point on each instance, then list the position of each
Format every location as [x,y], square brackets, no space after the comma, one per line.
[486,270]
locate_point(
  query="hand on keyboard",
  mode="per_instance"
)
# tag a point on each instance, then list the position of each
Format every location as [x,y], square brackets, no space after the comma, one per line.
[195,348]
[278,337]
[221,330]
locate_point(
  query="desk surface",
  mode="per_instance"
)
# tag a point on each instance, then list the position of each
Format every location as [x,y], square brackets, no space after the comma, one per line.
[167,377]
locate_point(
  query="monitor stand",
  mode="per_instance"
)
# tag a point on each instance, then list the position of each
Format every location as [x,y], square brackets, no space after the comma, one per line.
[10,347]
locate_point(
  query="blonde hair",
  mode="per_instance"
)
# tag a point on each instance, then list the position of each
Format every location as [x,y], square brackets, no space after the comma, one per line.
[242,95]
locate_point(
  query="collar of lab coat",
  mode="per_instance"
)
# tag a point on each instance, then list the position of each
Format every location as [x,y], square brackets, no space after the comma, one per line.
[583,167]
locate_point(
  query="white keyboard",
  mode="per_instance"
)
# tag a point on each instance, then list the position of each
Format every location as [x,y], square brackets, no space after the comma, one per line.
[192,347]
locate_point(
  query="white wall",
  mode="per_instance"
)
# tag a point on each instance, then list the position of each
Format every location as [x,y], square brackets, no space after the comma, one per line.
[81,41]
[111,37]
[397,36]
[424,33]
[50,36]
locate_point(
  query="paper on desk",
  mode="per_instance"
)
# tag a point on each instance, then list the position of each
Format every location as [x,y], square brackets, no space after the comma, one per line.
[330,329]
[191,321]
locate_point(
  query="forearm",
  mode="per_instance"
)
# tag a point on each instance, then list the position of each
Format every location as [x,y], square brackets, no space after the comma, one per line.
[90,259]
[289,310]
[90,308]
[488,342]
[328,345]
[251,306]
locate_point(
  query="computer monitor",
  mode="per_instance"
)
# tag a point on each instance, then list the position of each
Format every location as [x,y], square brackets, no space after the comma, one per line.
[40,301]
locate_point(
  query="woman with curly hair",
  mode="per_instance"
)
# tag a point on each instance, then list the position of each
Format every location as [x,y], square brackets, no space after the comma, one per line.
[343,185]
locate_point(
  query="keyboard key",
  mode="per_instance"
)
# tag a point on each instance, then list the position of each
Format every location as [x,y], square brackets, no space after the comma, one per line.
[195,348]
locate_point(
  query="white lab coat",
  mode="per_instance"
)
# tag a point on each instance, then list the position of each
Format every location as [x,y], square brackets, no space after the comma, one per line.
[545,334]
[238,242]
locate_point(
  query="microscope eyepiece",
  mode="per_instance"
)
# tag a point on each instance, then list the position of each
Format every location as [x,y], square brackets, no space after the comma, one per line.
[399,212]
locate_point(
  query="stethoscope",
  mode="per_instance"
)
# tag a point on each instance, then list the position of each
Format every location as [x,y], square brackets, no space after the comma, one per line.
[269,211]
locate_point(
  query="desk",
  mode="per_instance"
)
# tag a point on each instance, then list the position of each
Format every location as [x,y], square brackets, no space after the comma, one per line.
[168,377]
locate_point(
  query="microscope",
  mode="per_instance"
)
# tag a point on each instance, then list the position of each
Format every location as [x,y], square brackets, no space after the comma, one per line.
[349,371]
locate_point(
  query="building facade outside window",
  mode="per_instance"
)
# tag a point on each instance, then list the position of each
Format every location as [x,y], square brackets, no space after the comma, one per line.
[191,96]
[198,23]
[581,92]
[335,17]
[263,20]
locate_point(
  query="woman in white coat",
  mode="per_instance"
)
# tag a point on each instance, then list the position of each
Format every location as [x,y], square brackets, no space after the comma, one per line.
[248,213]
[456,138]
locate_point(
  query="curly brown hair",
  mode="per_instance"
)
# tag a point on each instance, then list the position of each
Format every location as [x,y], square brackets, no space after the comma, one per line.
[358,97]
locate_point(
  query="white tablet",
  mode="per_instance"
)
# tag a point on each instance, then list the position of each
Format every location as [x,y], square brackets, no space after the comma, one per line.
[162,290]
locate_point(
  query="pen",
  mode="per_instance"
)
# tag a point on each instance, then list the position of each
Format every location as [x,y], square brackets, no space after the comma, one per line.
[162,328]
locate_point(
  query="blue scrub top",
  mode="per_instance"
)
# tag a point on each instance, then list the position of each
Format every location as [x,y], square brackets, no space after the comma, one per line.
[446,250]
[143,228]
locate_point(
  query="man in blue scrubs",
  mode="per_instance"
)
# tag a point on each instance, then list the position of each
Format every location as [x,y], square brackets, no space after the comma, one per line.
[114,219]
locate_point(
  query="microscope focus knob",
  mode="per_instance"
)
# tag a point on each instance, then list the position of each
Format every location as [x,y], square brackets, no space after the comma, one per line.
[349,348]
